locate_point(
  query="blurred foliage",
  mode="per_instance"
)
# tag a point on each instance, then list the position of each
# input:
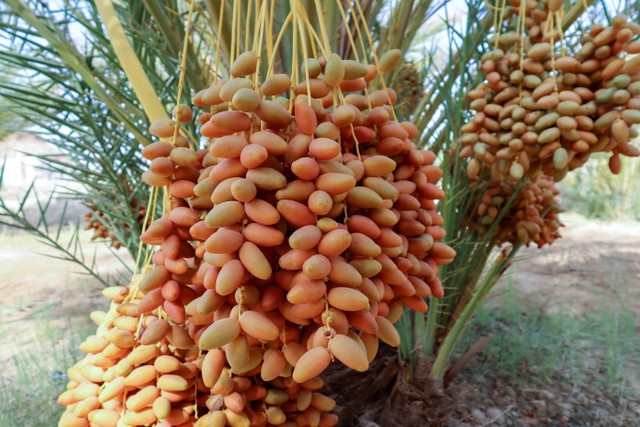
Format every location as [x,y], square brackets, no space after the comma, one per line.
[10,122]
[61,77]
[594,192]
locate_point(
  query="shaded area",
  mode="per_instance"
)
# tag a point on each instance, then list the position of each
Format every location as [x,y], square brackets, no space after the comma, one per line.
[385,396]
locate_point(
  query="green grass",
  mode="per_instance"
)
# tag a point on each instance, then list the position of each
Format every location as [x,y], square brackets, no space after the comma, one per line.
[531,347]
[30,385]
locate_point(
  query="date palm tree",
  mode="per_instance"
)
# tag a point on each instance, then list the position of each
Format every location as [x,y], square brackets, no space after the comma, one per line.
[89,76]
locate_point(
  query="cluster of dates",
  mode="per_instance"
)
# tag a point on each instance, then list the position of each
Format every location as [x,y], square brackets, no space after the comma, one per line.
[541,115]
[295,239]
[531,218]
[98,224]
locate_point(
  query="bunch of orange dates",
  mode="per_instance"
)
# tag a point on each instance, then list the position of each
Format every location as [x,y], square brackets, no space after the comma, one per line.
[295,239]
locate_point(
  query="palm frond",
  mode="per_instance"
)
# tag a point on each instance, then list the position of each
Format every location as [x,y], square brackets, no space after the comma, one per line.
[69,248]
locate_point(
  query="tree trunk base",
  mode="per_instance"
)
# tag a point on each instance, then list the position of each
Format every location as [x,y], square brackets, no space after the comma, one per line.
[387,396]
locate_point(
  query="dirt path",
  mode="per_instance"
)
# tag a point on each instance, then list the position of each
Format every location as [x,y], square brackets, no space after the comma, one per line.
[594,262]
[39,291]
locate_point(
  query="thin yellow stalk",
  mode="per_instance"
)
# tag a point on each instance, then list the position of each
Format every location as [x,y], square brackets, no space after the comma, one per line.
[219,24]
[269,33]
[247,26]
[574,13]
[310,31]
[183,69]
[294,60]
[239,28]
[318,43]
[354,16]
[345,22]
[234,33]
[162,15]
[323,29]
[218,39]
[132,67]
[276,45]
[257,43]
[305,51]
[373,53]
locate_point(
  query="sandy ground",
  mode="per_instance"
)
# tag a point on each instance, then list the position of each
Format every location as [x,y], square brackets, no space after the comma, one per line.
[593,262]
[36,288]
